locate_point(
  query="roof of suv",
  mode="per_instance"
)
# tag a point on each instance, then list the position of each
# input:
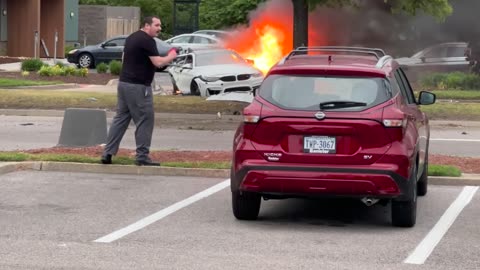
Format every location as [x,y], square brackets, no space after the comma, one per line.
[351,60]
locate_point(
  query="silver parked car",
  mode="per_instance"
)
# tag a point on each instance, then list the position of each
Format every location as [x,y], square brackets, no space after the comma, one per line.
[444,57]
[194,41]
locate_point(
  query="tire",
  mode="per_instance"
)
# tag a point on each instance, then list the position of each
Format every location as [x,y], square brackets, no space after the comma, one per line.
[194,90]
[245,205]
[422,185]
[85,60]
[404,213]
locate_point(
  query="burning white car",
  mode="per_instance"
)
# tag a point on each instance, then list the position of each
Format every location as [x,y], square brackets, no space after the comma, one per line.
[218,72]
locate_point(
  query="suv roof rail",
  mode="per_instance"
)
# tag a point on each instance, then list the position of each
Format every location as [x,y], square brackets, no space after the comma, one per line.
[359,50]
[377,52]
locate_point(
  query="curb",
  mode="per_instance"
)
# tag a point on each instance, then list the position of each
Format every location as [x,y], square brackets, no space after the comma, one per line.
[8,167]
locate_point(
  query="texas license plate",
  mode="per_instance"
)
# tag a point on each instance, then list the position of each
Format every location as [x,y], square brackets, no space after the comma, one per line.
[319,144]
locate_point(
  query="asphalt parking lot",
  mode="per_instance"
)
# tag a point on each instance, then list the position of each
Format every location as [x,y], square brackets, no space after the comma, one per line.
[58,220]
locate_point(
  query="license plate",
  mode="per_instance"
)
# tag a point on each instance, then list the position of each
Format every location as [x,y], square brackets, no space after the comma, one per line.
[319,144]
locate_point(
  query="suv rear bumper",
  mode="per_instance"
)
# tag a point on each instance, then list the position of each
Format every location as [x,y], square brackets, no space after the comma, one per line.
[288,181]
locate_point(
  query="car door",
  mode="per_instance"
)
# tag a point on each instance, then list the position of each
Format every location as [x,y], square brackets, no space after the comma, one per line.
[186,73]
[417,122]
[435,56]
[111,50]
[456,59]
[181,72]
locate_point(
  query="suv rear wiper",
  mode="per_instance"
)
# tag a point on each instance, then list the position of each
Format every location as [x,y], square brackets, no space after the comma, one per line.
[340,104]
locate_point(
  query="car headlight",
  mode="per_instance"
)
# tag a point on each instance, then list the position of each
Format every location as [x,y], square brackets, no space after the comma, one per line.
[256,75]
[72,51]
[209,78]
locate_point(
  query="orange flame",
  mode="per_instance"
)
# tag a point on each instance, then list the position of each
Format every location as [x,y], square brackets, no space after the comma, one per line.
[269,49]
[267,40]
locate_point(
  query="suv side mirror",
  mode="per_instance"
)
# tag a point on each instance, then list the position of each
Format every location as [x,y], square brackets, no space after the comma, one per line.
[426,98]
[423,59]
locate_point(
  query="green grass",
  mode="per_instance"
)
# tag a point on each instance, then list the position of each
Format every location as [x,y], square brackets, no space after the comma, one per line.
[5,82]
[17,157]
[443,170]
[457,94]
[453,111]
[433,170]
[56,100]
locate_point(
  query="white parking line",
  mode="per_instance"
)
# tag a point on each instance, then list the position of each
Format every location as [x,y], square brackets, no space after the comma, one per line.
[425,248]
[162,213]
[454,140]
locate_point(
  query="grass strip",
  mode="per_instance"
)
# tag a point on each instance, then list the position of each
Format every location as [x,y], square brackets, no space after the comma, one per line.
[119,160]
[60,100]
[443,170]
[433,169]
[6,82]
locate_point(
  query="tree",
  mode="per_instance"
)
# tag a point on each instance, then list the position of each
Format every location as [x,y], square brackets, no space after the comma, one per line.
[217,14]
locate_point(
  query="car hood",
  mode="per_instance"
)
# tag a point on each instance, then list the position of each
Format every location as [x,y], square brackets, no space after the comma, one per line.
[89,48]
[222,70]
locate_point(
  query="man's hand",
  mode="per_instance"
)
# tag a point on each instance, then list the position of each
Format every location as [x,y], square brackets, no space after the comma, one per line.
[172,54]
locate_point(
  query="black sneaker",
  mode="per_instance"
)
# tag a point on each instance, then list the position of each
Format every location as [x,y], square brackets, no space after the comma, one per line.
[107,159]
[146,163]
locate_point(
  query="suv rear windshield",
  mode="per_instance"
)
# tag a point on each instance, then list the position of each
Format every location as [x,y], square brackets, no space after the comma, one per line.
[296,92]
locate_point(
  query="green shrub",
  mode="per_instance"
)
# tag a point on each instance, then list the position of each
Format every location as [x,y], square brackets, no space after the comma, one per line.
[102,68]
[32,65]
[52,71]
[70,70]
[45,71]
[454,80]
[81,72]
[60,64]
[115,67]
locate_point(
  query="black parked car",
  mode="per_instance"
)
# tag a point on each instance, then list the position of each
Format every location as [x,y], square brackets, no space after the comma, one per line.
[92,55]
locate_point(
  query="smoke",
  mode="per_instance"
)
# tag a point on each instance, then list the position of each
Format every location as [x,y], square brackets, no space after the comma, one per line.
[370,24]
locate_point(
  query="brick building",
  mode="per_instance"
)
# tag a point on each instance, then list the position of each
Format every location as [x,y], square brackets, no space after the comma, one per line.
[27,25]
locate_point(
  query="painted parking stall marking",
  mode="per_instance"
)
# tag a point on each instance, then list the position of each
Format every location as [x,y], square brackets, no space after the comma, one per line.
[455,140]
[425,248]
[162,213]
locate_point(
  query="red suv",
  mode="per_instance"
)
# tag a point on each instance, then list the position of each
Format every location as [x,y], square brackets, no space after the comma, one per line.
[333,121]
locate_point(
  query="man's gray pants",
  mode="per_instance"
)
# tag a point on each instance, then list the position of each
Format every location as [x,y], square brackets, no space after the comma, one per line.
[135,101]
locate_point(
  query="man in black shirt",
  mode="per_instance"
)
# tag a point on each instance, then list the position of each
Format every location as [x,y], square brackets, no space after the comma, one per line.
[134,92]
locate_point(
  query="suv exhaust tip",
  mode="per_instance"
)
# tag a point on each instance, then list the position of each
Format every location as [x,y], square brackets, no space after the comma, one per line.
[368,201]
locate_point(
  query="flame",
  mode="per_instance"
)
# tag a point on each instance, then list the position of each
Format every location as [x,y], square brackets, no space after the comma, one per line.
[269,50]
[269,36]
[267,39]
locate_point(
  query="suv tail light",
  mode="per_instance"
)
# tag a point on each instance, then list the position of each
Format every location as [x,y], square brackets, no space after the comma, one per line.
[251,119]
[251,116]
[394,122]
